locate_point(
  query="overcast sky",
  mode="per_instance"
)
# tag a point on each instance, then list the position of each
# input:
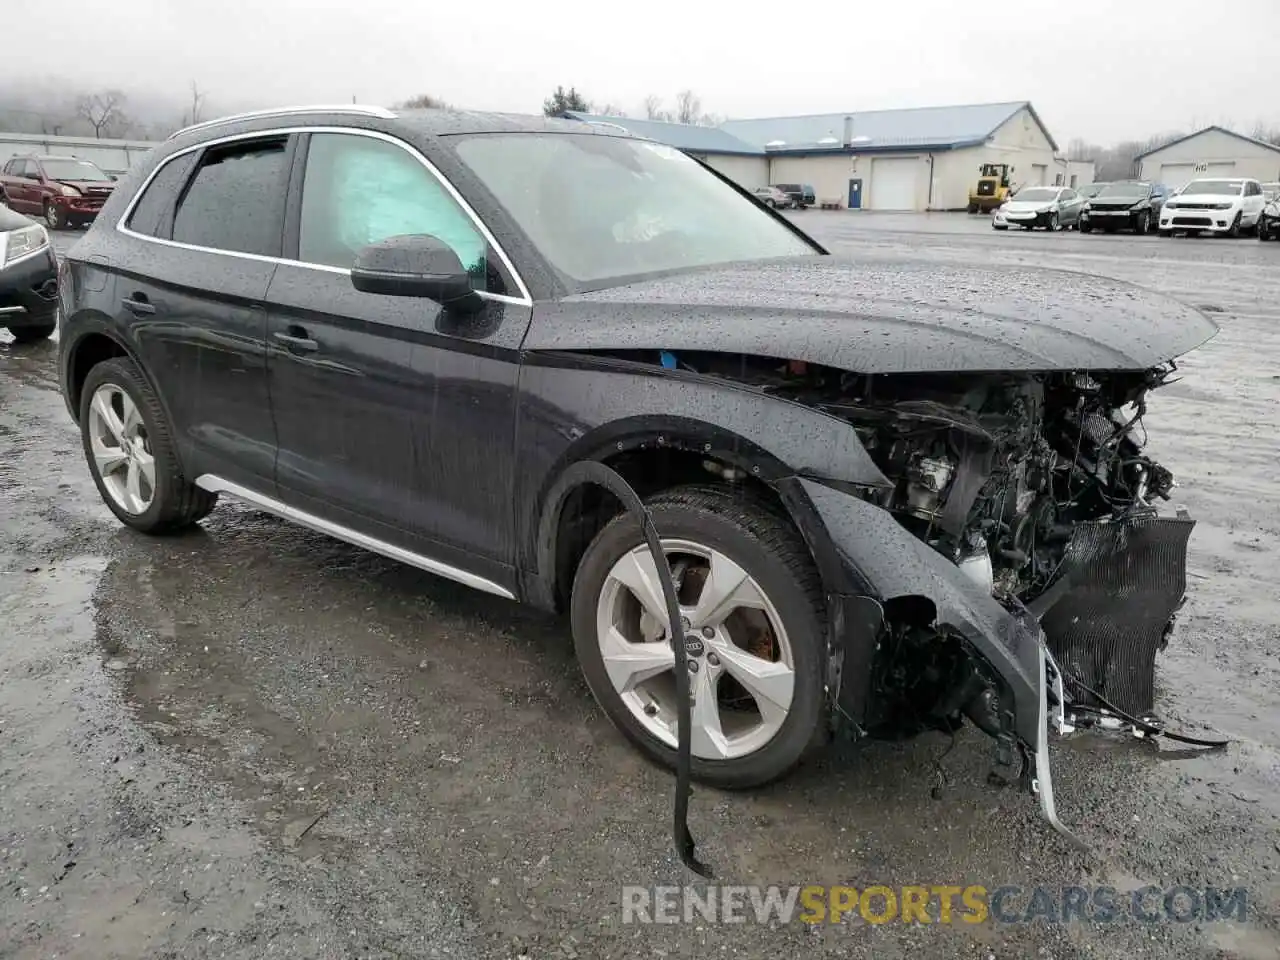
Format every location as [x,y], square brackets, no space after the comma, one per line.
[1101,70]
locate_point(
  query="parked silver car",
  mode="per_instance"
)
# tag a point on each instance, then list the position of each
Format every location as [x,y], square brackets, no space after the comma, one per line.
[1054,208]
[772,197]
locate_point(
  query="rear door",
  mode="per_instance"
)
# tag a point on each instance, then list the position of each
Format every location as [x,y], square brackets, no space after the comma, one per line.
[395,418]
[206,235]
[1253,202]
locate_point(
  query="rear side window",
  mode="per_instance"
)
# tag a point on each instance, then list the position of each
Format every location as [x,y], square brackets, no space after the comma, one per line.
[153,212]
[358,190]
[235,201]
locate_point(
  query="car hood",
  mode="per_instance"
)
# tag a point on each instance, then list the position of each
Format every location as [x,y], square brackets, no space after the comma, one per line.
[1208,197]
[883,317]
[88,186]
[1027,206]
[1120,203]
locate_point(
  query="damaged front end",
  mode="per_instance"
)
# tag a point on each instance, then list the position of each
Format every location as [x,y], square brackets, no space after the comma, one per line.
[1023,572]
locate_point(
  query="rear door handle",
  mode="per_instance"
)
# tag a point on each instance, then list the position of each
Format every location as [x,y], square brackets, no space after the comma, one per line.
[296,340]
[139,307]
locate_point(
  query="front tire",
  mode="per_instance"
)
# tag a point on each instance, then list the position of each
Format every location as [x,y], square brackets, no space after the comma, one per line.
[1054,225]
[1084,227]
[1234,230]
[1142,224]
[752,596]
[54,217]
[32,333]
[129,446]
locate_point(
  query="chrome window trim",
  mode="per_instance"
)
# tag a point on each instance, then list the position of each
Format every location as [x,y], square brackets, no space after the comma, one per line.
[525,299]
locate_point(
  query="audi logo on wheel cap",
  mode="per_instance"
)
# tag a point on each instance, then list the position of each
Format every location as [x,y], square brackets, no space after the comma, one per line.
[693,646]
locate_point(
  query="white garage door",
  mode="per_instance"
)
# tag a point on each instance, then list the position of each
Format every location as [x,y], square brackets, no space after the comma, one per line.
[1039,174]
[893,183]
[1177,175]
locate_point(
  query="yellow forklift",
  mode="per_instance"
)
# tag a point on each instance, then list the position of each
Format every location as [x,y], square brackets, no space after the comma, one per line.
[993,187]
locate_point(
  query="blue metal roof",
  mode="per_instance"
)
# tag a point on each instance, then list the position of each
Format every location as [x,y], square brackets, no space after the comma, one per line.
[938,128]
[682,136]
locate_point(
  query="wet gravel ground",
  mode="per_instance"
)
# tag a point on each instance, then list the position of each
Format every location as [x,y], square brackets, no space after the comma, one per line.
[252,741]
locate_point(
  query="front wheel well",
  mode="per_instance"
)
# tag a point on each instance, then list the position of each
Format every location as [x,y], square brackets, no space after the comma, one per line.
[88,353]
[588,508]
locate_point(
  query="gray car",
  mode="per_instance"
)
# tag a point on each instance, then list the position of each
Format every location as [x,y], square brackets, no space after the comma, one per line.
[1053,208]
[772,197]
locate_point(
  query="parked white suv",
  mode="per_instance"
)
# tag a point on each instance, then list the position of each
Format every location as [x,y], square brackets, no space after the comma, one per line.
[1213,206]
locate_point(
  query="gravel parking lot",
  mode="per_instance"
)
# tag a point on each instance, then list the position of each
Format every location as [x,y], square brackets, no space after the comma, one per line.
[252,741]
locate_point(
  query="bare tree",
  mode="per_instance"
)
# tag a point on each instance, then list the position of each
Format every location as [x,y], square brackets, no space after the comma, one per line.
[423,101]
[608,110]
[653,108]
[1266,132]
[688,107]
[197,102]
[102,111]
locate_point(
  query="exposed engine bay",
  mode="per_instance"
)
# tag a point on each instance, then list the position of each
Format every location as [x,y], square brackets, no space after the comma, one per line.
[993,471]
[1002,474]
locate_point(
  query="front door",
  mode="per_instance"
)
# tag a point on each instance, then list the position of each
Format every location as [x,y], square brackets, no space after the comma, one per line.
[394,417]
[855,194]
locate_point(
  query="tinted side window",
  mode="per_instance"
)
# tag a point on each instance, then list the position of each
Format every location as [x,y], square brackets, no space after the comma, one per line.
[235,201]
[152,215]
[358,190]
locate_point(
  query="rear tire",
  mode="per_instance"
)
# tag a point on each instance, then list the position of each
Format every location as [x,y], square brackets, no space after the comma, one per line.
[174,503]
[750,533]
[30,334]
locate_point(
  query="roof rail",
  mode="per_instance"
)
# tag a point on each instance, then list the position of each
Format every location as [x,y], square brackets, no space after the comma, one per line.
[360,109]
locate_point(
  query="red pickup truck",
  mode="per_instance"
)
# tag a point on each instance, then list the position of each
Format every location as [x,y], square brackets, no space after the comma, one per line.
[65,191]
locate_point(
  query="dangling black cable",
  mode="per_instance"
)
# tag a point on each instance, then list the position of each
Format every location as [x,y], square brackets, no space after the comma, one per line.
[611,480]
[1147,728]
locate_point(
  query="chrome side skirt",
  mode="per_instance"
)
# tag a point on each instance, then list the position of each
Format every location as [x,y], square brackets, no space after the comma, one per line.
[216,484]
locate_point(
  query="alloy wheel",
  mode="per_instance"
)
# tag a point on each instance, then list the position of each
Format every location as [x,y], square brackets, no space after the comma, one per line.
[53,216]
[741,672]
[121,449]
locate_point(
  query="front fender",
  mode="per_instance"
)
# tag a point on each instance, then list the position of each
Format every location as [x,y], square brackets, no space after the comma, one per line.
[575,407]
[882,558]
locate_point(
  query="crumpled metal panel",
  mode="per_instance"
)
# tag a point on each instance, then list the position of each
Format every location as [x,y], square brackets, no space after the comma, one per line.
[1124,581]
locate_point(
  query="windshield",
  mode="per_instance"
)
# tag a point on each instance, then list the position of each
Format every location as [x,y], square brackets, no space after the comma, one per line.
[72,170]
[1124,190]
[1271,190]
[601,208]
[1036,194]
[1090,190]
[1219,187]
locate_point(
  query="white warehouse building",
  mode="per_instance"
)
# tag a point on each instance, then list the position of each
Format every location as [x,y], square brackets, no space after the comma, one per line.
[1212,152]
[918,159]
[111,156]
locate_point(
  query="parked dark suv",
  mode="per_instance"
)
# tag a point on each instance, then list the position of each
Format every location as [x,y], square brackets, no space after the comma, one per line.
[420,332]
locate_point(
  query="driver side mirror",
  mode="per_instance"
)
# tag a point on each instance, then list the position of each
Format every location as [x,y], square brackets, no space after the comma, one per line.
[415,265]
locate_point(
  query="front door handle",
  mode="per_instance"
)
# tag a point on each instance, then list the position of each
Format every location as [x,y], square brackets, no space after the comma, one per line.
[296,339]
[139,307]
